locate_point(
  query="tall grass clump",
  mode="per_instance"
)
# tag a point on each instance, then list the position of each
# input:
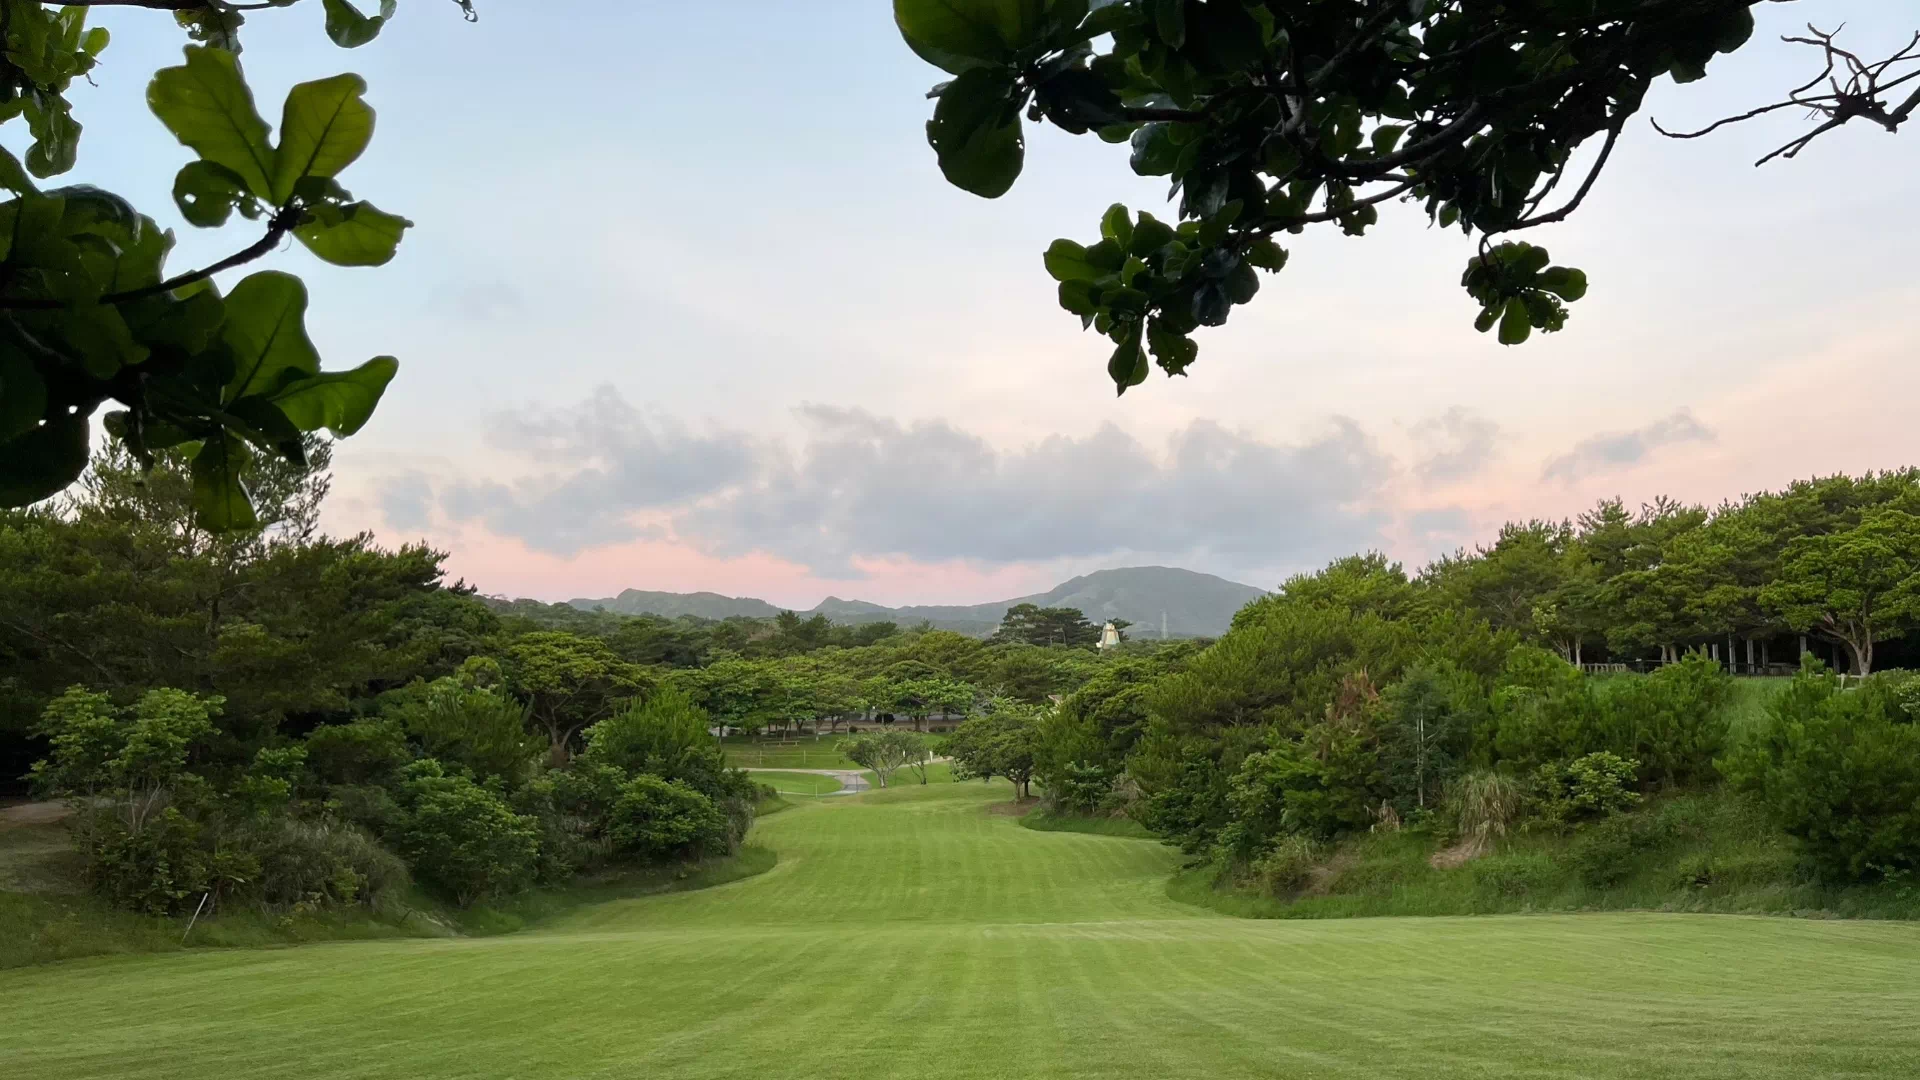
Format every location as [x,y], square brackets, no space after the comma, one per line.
[1486,804]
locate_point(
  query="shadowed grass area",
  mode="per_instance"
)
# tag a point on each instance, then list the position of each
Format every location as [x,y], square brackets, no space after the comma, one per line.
[1046,821]
[923,934]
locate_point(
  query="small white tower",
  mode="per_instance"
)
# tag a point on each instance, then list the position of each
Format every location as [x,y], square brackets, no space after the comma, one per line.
[1109,636]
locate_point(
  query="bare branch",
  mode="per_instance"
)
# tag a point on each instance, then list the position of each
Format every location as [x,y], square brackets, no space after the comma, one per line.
[1861,96]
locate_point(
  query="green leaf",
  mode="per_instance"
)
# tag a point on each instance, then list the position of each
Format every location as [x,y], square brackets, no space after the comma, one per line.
[1170,20]
[1117,226]
[40,463]
[1078,298]
[324,127]
[1267,255]
[349,29]
[1386,137]
[1150,235]
[1128,366]
[1106,257]
[56,139]
[975,131]
[185,321]
[961,35]
[220,499]
[13,177]
[357,234]
[1516,325]
[340,401]
[23,394]
[1067,261]
[1242,282]
[1172,349]
[1564,282]
[208,107]
[99,333]
[267,426]
[265,332]
[207,193]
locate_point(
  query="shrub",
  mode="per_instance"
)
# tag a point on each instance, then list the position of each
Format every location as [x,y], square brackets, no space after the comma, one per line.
[1674,721]
[363,752]
[161,868]
[1602,855]
[570,807]
[371,808]
[1516,875]
[1325,784]
[1594,785]
[660,819]
[1543,710]
[1427,720]
[462,839]
[1189,808]
[318,864]
[1288,867]
[1839,771]
[666,735]
[1081,788]
[478,730]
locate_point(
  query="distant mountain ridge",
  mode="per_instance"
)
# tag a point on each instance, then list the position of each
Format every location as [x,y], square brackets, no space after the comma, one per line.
[1192,604]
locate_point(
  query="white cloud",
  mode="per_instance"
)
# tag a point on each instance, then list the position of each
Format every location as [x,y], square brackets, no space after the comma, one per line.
[1604,453]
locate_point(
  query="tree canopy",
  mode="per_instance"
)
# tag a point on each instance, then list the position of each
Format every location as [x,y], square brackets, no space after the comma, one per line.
[1268,118]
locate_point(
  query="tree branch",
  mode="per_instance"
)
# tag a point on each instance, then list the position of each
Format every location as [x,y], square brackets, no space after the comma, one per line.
[1586,186]
[282,225]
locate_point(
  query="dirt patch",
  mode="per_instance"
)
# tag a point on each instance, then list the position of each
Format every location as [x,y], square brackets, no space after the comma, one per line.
[1457,856]
[33,813]
[1016,808]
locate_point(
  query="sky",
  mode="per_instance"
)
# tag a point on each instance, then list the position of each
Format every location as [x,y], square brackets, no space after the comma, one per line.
[688,307]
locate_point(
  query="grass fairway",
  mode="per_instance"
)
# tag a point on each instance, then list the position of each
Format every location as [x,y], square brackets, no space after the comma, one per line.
[806,753]
[911,932]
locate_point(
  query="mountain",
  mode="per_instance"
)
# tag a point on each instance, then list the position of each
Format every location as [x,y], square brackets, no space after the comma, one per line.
[1191,604]
[672,605]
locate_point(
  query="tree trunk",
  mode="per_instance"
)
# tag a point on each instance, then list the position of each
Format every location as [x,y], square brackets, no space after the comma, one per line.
[1576,652]
[1862,655]
[557,754]
[1803,644]
[1750,670]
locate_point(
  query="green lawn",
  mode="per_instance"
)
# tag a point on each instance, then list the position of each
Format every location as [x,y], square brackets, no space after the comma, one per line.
[914,932]
[804,753]
[797,783]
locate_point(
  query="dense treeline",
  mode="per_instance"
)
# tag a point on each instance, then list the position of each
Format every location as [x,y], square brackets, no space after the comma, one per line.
[1830,559]
[279,718]
[1455,701]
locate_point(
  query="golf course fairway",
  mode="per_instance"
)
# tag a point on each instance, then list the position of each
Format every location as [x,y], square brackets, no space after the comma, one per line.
[914,932]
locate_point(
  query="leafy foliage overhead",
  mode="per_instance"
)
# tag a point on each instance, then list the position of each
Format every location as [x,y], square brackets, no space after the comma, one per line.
[90,314]
[1267,117]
